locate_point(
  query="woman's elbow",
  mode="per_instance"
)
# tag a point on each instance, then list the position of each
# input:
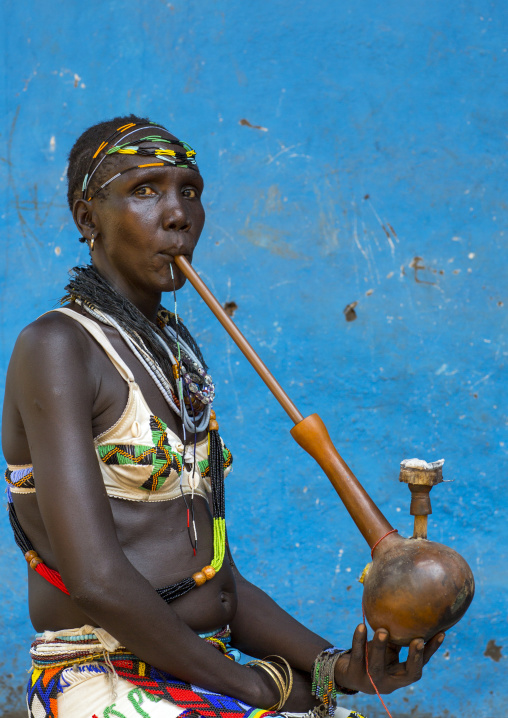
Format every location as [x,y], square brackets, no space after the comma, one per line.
[90,589]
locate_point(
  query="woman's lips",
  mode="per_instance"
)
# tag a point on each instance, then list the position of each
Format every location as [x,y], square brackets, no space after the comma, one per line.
[169,257]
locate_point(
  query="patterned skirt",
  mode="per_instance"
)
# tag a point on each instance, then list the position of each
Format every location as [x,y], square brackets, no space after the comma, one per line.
[85,673]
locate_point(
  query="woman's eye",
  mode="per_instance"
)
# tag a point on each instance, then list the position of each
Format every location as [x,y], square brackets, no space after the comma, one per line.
[190,192]
[144,192]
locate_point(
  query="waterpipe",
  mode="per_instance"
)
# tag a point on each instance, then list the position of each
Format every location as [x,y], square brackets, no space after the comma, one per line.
[414,587]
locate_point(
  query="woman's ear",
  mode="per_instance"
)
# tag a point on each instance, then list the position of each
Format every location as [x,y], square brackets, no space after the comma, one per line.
[82,214]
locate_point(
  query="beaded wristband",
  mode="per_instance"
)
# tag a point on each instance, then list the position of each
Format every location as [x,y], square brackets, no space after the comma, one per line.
[323,681]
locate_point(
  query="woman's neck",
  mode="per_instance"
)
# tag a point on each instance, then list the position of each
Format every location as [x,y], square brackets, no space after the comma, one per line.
[147,302]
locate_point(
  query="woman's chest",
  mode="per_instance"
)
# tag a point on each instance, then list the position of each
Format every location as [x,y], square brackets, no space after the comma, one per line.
[112,390]
[141,456]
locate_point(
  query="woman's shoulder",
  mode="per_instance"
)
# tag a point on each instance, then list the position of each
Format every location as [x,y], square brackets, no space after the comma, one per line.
[51,367]
[53,335]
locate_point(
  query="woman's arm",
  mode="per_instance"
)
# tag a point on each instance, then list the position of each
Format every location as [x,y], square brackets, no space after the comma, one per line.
[261,627]
[55,383]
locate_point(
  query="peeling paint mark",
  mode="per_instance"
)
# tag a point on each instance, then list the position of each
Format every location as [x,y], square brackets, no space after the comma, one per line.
[480,381]
[390,232]
[76,79]
[23,205]
[58,251]
[273,200]
[337,567]
[282,151]
[270,238]
[230,308]
[493,651]
[23,225]
[394,233]
[52,144]
[246,123]
[388,235]
[328,229]
[357,239]
[369,292]
[241,77]
[29,80]
[349,312]
[415,264]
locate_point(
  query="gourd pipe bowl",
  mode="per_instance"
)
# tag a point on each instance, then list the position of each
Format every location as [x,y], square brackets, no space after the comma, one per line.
[414,588]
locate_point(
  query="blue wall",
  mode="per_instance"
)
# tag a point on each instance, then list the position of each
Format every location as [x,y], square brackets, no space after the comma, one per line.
[353,152]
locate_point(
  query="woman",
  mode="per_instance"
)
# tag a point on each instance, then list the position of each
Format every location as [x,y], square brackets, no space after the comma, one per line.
[116,474]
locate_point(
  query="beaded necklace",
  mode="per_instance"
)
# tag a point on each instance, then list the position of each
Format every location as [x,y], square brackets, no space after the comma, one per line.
[192,380]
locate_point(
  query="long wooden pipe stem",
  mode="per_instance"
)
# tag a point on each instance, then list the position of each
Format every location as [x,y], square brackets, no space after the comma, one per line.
[236,335]
[310,432]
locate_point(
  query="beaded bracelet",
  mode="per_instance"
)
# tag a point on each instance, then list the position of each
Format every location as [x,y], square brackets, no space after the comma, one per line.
[323,681]
[283,679]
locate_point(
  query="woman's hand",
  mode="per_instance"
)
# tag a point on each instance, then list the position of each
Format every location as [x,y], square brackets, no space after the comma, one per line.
[387,673]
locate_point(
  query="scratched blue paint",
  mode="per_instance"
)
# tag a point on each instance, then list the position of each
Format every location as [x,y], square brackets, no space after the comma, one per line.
[381,139]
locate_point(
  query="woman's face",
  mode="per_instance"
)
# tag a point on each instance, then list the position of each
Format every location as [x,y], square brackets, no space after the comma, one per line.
[147,217]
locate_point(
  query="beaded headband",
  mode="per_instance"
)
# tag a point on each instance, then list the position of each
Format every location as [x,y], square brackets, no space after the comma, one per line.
[176,159]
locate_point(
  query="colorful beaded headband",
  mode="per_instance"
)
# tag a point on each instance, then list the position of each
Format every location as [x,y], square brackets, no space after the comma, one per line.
[177,159]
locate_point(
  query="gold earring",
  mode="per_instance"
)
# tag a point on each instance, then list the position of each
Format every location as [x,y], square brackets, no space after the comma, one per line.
[92,242]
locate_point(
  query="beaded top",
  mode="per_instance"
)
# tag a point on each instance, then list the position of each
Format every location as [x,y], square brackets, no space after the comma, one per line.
[140,458]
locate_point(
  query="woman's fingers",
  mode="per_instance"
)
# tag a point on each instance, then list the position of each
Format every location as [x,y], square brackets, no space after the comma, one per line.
[432,646]
[377,654]
[384,667]
[350,668]
[357,658]
[414,662]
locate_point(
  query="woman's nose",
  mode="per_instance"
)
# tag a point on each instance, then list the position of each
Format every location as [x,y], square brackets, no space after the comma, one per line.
[175,216]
